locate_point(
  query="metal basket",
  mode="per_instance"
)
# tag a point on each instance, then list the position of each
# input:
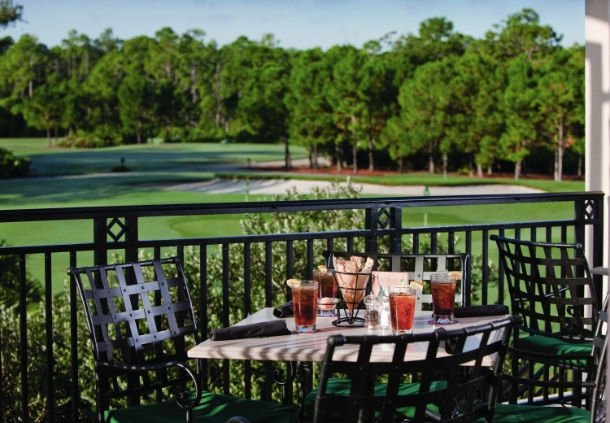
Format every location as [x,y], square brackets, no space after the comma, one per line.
[353,288]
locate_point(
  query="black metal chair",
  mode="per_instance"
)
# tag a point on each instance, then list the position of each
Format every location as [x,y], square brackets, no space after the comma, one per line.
[442,391]
[140,318]
[599,355]
[551,288]
[514,413]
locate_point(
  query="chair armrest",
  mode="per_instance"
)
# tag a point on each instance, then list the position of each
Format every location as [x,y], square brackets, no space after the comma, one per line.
[600,271]
[181,397]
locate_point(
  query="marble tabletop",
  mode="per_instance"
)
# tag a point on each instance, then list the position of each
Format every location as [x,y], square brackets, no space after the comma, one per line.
[312,346]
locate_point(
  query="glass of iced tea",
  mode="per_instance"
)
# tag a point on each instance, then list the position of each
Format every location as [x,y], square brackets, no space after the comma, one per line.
[327,292]
[305,305]
[443,298]
[402,308]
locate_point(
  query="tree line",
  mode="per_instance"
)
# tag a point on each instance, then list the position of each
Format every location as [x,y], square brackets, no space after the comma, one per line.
[437,99]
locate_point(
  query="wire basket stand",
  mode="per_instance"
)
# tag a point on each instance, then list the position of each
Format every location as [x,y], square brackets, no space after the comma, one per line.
[353,288]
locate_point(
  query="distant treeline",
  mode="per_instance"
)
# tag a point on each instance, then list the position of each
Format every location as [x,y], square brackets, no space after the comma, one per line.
[438,99]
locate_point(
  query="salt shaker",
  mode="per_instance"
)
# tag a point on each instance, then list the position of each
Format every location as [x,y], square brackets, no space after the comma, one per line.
[373,313]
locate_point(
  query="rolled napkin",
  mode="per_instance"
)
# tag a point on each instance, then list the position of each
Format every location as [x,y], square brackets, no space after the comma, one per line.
[481,310]
[285,310]
[272,328]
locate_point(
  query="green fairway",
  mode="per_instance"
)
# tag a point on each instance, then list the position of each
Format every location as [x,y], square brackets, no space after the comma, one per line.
[183,157]
[74,178]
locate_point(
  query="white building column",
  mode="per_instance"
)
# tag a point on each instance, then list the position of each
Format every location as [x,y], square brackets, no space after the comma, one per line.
[597,141]
[597,119]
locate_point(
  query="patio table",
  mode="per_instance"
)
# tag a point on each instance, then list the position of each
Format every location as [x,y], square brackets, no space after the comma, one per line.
[301,350]
[311,347]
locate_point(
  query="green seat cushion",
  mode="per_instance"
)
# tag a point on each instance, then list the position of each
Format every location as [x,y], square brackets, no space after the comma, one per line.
[341,387]
[513,413]
[554,346]
[211,409]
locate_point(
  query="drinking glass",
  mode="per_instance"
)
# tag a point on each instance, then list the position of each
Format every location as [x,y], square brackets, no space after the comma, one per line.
[327,293]
[402,308]
[443,298]
[304,304]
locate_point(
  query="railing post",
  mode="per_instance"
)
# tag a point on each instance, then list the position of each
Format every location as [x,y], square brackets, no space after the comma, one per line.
[384,218]
[131,239]
[591,212]
[371,219]
[100,241]
[118,229]
[579,227]
[396,244]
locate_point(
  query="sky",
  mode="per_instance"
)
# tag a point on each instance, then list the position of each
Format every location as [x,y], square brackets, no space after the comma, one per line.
[295,23]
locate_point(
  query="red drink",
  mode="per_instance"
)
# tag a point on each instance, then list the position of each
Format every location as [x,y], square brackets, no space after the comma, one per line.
[443,297]
[402,308]
[327,294]
[305,303]
[328,287]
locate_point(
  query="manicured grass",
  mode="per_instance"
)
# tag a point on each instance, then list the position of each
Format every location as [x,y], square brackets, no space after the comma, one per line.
[157,166]
[183,157]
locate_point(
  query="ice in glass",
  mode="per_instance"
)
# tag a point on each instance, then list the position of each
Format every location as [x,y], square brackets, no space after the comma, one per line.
[402,308]
[443,298]
[305,305]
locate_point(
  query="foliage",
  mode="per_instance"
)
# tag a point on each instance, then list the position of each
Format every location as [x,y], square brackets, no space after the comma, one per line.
[11,166]
[10,385]
[9,12]
[401,101]
[10,270]
[80,141]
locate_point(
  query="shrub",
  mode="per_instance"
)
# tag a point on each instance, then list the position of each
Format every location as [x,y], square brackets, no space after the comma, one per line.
[12,166]
[9,288]
[82,141]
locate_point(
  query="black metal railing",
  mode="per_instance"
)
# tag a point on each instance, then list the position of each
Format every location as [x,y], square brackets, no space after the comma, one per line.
[228,270]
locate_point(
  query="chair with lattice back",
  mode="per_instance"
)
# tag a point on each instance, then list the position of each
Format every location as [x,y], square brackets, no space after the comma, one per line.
[374,389]
[551,288]
[141,322]
[420,267]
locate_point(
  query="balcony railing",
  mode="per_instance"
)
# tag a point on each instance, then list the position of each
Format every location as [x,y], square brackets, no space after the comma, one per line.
[233,275]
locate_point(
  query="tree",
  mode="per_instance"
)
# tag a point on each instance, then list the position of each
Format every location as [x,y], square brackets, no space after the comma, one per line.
[9,12]
[426,112]
[137,93]
[195,73]
[310,119]
[76,57]
[347,98]
[103,119]
[521,43]
[477,119]
[379,96]
[436,40]
[561,102]
[521,115]
[522,34]
[262,108]
[24,71]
